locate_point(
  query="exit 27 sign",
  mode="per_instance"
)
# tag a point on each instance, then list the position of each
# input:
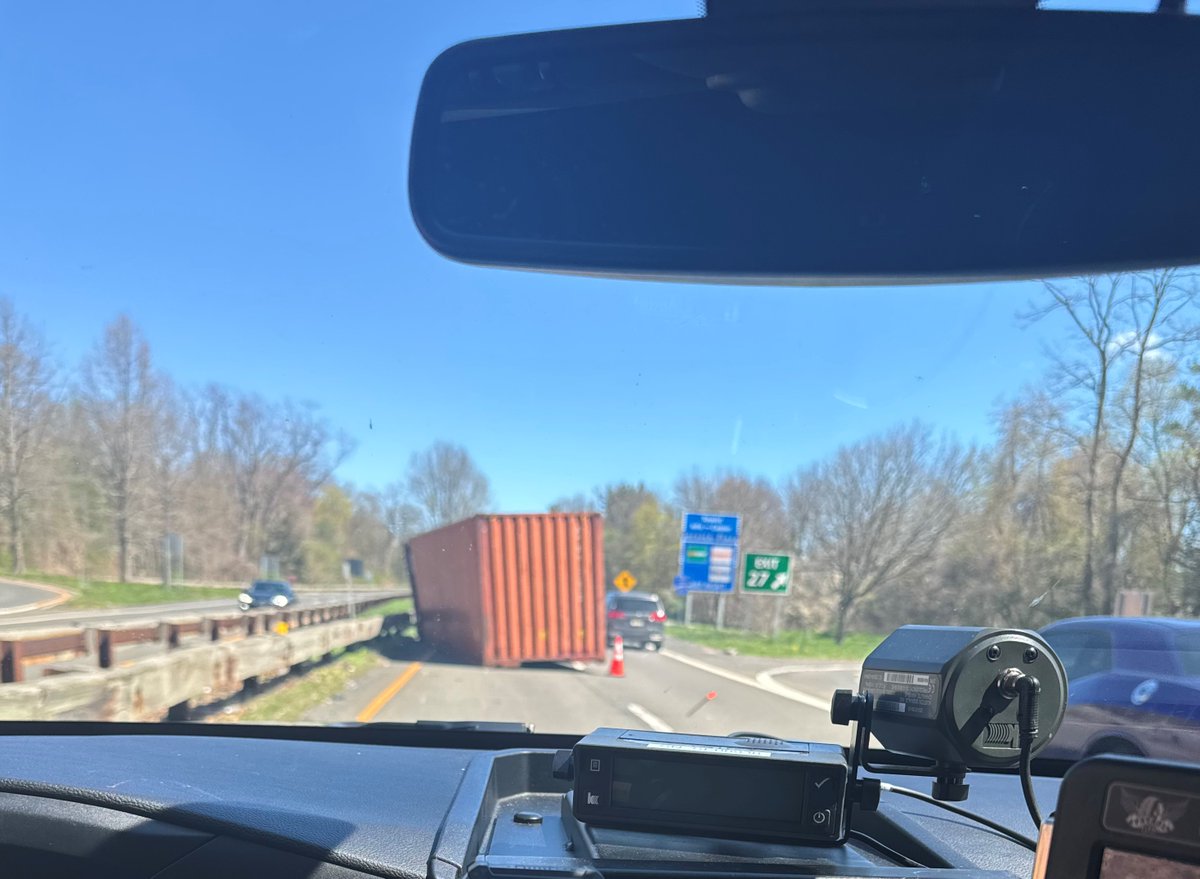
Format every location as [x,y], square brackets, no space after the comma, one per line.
[766,574]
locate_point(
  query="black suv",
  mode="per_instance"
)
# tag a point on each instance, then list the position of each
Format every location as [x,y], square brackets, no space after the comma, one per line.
[267,593]
[637,617]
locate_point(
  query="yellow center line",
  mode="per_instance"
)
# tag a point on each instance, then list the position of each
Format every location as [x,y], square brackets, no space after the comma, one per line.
[387,694]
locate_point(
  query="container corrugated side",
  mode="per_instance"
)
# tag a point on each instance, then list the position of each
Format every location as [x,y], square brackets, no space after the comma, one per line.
[445,567]
[538,587]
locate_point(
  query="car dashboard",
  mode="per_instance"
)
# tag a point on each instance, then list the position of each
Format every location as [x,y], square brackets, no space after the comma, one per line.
[173,806]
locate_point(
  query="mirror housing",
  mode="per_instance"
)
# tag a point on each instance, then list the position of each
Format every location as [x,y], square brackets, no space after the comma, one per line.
[821,146]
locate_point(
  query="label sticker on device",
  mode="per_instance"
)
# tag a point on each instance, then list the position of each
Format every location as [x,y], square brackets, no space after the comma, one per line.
[914,695]
[706,749]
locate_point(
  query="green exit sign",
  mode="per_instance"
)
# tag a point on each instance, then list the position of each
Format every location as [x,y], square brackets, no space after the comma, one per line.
[766,574]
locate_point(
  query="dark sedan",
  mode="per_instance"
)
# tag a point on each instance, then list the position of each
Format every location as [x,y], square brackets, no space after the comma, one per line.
[637,617]
[1133,687]
[267,593]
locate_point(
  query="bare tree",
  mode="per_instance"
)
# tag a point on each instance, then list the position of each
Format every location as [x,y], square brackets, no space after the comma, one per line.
[274,453]
[444,483]
[169,448]
[117,394]
[206,514]
[401,520]
[27,393]
[764,527]
[1184,489]
[367,537]
[1021,530]
[573,503]
[877,513]
[695,491]
[1122,324]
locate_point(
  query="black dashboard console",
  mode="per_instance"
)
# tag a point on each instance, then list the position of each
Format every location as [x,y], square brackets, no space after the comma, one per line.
[1124,818]
[510,819]
[747,787]
[78,801]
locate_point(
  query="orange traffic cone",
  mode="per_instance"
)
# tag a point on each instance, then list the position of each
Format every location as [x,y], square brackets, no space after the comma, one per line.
[616,668]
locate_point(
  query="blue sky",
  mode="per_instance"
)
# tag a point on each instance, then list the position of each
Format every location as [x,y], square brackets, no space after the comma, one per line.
[233,176]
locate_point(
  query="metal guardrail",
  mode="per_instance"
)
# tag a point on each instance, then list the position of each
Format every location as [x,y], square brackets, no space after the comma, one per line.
[102,641]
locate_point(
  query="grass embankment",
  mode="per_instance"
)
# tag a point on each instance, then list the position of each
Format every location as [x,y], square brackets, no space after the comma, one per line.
[290,700]
[388,608]
[794,645]
[100,594]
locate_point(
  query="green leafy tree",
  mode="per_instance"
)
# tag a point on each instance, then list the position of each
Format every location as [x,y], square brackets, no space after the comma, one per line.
[328,543]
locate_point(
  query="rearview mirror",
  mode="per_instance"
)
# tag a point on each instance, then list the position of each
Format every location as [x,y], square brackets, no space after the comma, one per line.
[831,147]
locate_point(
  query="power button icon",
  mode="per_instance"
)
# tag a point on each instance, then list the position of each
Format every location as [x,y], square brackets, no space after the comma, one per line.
[820,817]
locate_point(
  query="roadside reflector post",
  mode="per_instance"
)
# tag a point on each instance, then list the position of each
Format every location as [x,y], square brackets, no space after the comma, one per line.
[104,648]
[90,642]
[712,694]
[12,662]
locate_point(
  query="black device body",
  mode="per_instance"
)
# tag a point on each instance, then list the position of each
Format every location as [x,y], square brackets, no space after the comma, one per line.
[1126,817]
[746,788]
[936,696]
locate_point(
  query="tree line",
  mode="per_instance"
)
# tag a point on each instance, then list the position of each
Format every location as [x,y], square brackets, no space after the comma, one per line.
[112,470]
[1088,486]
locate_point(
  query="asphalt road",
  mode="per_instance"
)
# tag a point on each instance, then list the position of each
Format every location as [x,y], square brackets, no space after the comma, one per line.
[19,597]
[68,617]
[667,691]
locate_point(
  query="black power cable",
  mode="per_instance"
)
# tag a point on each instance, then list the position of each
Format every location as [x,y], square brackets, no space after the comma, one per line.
[1019,838]
[1028,691]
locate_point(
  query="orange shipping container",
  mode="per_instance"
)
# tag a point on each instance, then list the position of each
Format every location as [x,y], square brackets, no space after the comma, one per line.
[502,590]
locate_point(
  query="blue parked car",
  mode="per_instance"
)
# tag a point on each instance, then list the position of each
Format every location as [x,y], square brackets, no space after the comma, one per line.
[1133,687]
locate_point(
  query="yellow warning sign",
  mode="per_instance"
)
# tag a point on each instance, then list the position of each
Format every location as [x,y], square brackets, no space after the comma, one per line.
[624,581]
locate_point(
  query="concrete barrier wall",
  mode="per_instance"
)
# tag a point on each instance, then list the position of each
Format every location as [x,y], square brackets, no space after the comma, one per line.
[148,688]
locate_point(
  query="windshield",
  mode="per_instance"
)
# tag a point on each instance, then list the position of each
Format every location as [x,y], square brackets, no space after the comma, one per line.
[635,604]
[226,353]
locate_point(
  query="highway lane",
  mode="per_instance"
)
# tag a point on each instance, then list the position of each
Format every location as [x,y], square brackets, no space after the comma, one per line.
[24,597]
[666,692]
[80,617]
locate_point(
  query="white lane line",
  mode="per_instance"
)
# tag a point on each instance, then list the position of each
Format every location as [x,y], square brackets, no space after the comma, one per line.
[767,680]
[767,685]
[647,718]
[813,666]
